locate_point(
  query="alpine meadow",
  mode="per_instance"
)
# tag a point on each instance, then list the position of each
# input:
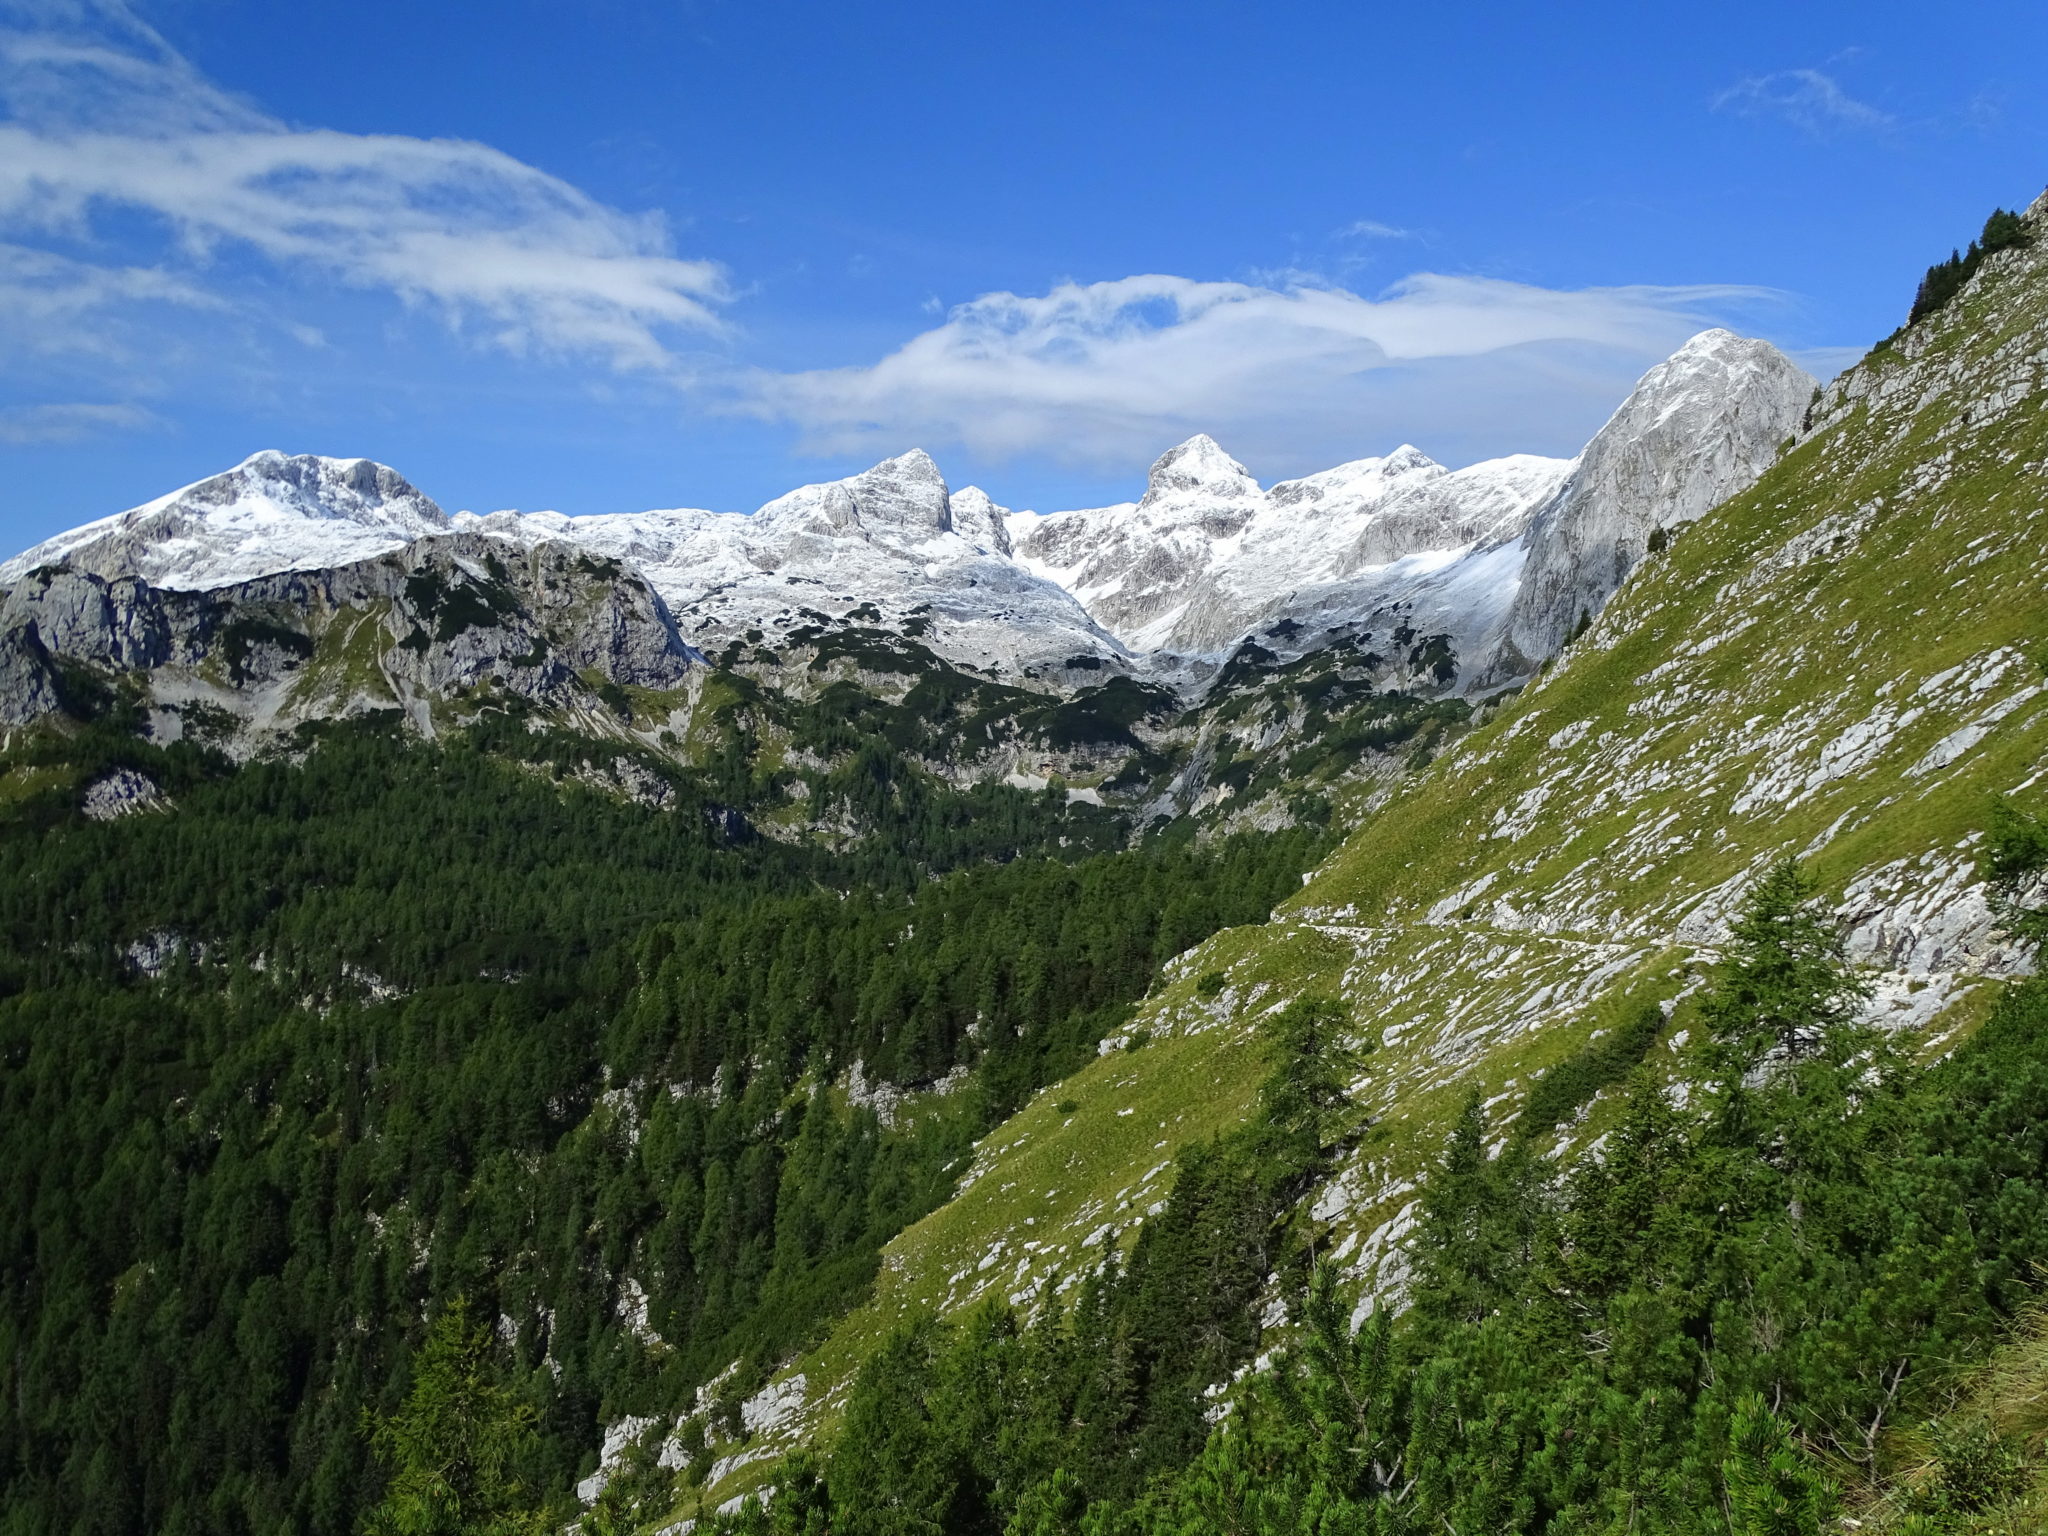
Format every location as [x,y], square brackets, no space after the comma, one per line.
[1405,1000]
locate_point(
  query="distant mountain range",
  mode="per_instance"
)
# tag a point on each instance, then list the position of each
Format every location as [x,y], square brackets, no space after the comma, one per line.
[1498,560]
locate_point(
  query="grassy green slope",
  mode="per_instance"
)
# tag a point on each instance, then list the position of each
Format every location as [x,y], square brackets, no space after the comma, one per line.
[1843,663]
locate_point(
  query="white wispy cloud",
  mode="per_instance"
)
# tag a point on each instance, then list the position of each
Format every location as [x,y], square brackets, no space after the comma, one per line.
[105,130]
[1373,229]
[1304,374]
[24,425]
[1807,97]
[53,305]
[103,119]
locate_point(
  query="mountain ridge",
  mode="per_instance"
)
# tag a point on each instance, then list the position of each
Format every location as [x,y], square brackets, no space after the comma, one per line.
[1165,587]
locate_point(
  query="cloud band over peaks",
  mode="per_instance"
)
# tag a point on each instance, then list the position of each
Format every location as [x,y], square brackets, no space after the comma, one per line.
[1102,372]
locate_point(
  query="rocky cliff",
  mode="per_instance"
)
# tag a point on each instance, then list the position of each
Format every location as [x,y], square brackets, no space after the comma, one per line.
[1701,426]
[439,622]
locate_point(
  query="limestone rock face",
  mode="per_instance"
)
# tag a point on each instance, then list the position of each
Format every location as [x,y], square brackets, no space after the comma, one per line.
[1698,428]
[123,792]
[978,520]
[438,618]
[29,686]
[89,618]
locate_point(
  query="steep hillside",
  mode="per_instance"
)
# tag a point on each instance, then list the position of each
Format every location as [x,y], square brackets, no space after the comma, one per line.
[1843,663]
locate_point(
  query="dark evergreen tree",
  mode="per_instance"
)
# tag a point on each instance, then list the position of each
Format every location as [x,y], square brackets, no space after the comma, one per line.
[2015,850]
[1306,1098]
[456,1453]
[1784,983]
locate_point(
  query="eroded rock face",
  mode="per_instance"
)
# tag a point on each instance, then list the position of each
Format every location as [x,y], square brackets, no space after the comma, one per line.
[89,618]
[124,792]
[1700,427]
[29,688]
[436,618]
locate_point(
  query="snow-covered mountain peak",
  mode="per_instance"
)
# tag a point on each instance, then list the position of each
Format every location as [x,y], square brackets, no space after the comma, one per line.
[272,512]
[1198,466]
[900,500]
[1359,480]
[314,486]
[905,495]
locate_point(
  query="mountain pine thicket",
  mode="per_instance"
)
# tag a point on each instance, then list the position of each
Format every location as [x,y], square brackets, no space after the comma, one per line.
[1711,1329]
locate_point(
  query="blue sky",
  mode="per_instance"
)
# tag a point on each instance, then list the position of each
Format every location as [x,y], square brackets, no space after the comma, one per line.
[611,255]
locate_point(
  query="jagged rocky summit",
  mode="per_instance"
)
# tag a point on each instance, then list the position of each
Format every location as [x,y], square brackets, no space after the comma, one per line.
[1494,563]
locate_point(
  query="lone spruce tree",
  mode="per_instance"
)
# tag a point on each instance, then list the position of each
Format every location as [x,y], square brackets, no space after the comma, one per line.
[1785,984]
[1307,1094]
[454,1450]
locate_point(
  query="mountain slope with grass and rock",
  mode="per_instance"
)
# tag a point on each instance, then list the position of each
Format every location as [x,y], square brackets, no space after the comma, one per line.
[1844,665]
